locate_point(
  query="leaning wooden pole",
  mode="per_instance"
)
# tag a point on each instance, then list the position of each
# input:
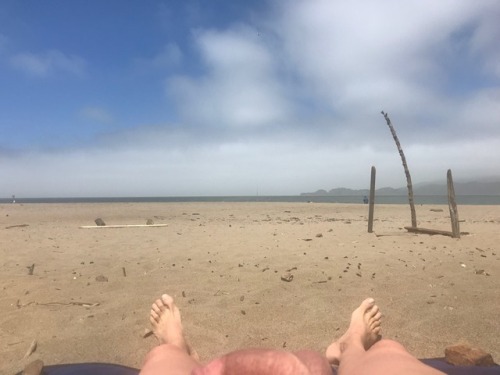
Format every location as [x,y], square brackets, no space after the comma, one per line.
[372,201]
[452,204]
[407,171]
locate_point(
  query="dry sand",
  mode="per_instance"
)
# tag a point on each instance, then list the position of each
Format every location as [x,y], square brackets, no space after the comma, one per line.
[223,263]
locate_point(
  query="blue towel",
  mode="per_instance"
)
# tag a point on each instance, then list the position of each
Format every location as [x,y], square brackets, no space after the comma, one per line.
[88,369]
[441,365]
[112,369]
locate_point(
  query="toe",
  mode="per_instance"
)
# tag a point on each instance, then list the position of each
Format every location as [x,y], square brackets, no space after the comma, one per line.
[157,308]
[374,318]
[374,326]
[167,301]
[370,312]
[160,305]
[154,315]
[367,304]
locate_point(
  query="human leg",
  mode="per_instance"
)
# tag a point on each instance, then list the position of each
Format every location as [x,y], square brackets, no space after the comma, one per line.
[173,355]
[361,351]
[390,357]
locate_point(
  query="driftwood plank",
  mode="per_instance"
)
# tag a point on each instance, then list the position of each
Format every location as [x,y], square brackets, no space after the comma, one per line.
[122,226]
[429,231]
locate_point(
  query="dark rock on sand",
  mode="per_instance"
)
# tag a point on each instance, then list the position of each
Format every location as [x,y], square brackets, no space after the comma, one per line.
[464,355]
[100,222]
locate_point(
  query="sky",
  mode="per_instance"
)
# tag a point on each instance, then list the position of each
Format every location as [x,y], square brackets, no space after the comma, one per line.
[235,97]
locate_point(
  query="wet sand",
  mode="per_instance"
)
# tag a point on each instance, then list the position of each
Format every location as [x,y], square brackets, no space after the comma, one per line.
[224,262]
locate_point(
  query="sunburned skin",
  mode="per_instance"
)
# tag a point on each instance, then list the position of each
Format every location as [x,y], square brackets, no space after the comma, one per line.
[363,330]
[359,351]
[167,326]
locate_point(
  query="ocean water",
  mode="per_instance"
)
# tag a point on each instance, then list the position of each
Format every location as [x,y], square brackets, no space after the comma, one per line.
[383,199]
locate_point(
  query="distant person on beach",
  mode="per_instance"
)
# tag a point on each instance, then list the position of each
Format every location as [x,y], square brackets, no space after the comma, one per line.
[359,351]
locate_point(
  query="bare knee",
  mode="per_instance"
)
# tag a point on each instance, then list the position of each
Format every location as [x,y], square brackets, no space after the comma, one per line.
[388,345]
[156,352]
[168,359]
[161,352]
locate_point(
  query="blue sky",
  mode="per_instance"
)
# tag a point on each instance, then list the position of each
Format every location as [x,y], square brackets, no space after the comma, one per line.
[160,98]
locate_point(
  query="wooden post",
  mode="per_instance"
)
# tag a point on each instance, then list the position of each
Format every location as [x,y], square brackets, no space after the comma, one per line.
[452,204]
[372,201]
[405,167]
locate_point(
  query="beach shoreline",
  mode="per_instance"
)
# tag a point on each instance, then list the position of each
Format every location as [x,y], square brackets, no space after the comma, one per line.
[90,291]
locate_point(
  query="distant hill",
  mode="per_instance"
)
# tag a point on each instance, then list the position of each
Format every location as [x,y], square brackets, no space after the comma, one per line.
[482,187]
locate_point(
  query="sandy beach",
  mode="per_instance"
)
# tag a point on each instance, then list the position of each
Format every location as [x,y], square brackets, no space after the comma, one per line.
[90,291]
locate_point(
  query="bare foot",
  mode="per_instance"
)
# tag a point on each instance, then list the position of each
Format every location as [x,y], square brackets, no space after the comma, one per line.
[165,318]
[364,330]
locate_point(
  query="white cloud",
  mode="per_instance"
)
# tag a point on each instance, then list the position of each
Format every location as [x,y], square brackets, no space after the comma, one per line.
[359,55]
[331,67]
[240,88]
[48,63]
[348,61]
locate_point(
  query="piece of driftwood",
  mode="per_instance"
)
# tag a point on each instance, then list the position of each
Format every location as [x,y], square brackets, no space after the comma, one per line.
[429,231]
[123,226]
[31,269]
[19,304]
[84,304]
[405,167]
[452,204]
[147,332]
[31,349]
[371,207]
[390,234]
[17,226]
